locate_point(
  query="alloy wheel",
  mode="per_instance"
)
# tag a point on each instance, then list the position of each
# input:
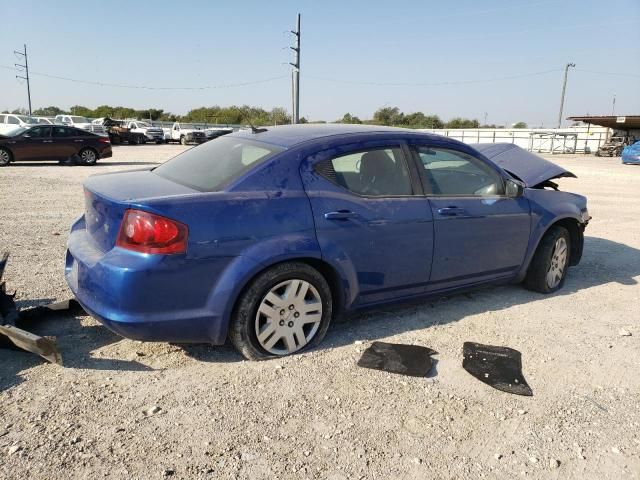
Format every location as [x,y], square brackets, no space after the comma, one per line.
[5,158]
[88,157]
[288,317]
[558,263]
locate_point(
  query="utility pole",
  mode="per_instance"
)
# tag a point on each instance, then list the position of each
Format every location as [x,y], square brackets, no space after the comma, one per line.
[564,89]
[613,109]
[26,68]
[296,73]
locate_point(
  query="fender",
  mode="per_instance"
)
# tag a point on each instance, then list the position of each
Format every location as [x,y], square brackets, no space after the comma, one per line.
[565,205]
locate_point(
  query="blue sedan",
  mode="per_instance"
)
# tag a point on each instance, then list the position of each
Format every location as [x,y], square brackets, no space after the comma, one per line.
[265,236]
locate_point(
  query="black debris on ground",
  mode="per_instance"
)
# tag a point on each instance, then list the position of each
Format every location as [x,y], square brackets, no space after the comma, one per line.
[498,367]
[411,360]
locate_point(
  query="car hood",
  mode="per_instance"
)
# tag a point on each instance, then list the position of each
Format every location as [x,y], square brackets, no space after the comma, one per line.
[528,167]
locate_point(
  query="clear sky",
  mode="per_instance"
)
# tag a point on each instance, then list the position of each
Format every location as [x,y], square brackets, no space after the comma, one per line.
[463,58]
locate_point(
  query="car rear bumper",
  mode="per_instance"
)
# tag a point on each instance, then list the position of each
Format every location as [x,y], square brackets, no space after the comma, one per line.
[631,159]
[145,297]
[106,152]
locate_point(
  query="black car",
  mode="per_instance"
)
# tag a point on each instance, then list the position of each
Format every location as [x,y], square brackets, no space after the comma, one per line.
[53,142]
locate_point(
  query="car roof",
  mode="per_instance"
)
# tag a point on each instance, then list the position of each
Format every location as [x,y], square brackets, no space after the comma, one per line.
[291,135]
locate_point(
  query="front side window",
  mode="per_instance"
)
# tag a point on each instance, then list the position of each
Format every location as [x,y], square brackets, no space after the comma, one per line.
[13,120]
[213,165]
[376,172]
[452,173]
[39,132]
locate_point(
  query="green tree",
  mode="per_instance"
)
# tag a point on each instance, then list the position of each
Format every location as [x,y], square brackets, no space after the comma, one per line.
[50,111]
[462,123]
[388,116]
[520,125]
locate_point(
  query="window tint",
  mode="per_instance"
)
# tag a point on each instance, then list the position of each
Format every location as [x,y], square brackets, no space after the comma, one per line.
[39,132]
[449,172]
[2,118]
[60,132]
[13,120]
[379,172]
[211,166]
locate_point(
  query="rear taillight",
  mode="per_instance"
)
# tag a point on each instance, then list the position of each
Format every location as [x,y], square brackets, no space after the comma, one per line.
[104,140]
[148,233]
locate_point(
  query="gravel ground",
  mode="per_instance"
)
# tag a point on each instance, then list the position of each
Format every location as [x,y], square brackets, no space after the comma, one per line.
[125,409]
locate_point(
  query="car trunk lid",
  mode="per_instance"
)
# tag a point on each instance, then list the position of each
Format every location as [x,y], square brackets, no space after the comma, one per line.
[108,196]
[527,166]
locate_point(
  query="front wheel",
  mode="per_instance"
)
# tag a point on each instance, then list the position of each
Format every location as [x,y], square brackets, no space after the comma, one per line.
[284,310]
[548,268]
[88,156]
[183,140]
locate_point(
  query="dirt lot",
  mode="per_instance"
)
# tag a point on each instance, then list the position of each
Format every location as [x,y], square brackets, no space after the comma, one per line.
[318,415]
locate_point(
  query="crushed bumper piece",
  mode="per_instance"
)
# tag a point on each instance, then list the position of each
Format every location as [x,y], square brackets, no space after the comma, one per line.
[411,360]
[498,367]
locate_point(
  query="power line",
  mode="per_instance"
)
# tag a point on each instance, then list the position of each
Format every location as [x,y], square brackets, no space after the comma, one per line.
[146,87]
[433,84]
[620,74]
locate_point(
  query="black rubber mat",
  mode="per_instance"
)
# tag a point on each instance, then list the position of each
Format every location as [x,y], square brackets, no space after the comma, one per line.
[499,367]
[411,360]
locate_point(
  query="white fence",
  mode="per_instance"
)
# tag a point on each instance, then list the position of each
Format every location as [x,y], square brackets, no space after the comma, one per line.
[585,139]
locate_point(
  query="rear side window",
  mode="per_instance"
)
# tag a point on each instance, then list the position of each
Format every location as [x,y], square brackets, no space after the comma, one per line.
[213,165]
[13,120]
[39,132]
[60,132]
[375,172]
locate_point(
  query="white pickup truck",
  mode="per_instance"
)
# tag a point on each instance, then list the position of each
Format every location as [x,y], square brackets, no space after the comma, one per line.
[11,121]
[153,134]
[186,133]
[82,123]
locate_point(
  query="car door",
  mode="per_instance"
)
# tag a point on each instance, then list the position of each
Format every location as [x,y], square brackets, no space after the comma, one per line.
[34,144]
[479,232]
[66,142]
[370,218]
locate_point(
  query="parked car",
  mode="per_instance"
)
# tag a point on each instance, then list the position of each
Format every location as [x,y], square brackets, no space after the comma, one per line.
[265,236]
[53,142]
[151,133]
[215,132]
[186,133]
[614,146]
[10,121]
[631,154]
[82,123]
[44,120]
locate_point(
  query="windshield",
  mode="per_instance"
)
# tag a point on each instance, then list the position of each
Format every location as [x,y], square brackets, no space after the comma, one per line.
[215,164]
[79,119]
[26,119]
[143,124]
[188,126]
[43,121]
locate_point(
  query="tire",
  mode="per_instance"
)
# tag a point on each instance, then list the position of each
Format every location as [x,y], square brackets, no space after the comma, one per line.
[251,314]
[183,140]
[88,156]
[546,273]
[5,157]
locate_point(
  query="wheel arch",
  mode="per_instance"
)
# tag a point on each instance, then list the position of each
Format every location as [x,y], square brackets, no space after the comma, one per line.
[11,154]
[575,228]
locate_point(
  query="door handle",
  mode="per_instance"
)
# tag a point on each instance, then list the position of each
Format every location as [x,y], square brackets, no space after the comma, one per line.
[78,141]
[47,141]
[340,215]
[450,211]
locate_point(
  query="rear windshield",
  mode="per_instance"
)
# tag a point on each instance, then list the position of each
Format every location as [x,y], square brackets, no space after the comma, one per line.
[213,165]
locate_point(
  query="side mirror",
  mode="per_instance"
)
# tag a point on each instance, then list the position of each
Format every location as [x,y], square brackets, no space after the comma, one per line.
[513,188]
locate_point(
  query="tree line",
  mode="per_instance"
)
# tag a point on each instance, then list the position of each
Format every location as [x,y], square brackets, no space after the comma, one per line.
[245,114]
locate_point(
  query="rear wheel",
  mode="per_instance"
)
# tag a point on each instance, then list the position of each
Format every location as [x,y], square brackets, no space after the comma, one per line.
[183,140]
[285,310]
[550,263]
[88,156]
[5,157]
